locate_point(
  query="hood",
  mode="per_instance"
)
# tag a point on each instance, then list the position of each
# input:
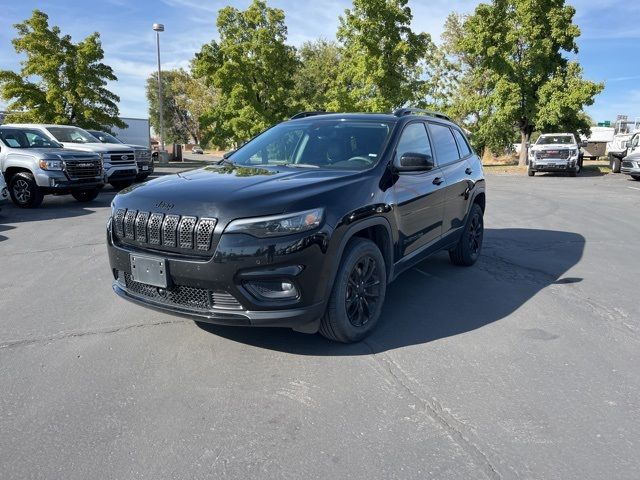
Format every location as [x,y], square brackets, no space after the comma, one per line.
[229,192]
[97,147]
[55,153]
[137,147]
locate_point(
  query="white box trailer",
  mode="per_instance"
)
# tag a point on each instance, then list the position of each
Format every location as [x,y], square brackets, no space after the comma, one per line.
[597,142]
[137,132]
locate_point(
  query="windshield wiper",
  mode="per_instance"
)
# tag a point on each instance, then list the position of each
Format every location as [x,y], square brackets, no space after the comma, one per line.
[300,165]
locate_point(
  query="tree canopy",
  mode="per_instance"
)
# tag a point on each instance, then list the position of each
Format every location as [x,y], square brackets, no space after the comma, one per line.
[383,61]
[520,48]
[60,81]
[185,100]
[252,68]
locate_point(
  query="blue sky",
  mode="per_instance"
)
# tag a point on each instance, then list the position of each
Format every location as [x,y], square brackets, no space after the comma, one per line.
[610,29]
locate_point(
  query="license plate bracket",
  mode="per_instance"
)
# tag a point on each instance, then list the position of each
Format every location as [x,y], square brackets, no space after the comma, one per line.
[145,168]
[149,270]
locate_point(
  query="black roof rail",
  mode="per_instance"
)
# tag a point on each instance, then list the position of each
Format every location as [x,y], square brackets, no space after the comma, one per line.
[401,112]
[308,114]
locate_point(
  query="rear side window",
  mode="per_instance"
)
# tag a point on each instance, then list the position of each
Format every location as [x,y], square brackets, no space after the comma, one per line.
[463,146]
[414,139]
[444,143]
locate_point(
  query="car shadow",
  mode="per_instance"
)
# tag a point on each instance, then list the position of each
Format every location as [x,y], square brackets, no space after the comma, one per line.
[435,299]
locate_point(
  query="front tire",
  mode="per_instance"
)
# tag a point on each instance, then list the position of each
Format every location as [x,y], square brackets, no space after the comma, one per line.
[85,195]
[357,294]
[636,177]
[468,249]
[615,164]
[24,190]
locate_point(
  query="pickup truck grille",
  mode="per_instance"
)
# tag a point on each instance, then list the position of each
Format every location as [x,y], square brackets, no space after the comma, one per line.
[81,169]
[191,298]
[560,154]
[160,230]
[118,158]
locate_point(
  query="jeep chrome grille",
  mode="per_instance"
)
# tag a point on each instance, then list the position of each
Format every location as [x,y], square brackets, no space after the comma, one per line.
[174,231]
[153,228]
[169,230]
[186,227]
[129,224]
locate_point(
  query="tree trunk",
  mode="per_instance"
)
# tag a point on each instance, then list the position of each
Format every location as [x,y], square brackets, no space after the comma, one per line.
[525,135]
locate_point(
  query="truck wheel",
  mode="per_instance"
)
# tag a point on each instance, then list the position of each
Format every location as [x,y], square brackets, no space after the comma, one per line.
[636,177]
[24,190]
[120,184]
[614,163]
[530,172]
[357,294]
[467,251]
[85,195]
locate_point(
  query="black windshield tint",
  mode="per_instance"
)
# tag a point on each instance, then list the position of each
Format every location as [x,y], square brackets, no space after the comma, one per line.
[104,137]
[334,144]
[555,139]
[72,135]
[25,138]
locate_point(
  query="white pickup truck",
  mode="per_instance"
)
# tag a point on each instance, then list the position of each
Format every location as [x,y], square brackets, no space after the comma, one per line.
[555,152]
[119,161]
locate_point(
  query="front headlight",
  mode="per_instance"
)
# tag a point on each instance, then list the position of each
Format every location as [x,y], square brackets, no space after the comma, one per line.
[278,225]
[51,164]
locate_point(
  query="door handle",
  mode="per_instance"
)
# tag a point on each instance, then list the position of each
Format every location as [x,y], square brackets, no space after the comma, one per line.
[468,171]
[438,180]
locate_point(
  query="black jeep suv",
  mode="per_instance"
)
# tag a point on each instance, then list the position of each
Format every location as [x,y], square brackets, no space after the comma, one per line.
[304,226]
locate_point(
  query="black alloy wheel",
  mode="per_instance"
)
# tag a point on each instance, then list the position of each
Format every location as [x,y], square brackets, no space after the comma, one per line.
[363,291]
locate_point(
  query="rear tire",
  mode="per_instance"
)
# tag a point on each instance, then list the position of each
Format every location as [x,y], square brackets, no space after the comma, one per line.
[357,294]
[120,184]
[85,195]
[468,249]
[24,190]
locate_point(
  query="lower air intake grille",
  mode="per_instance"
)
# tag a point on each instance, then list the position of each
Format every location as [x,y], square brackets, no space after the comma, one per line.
[191,298]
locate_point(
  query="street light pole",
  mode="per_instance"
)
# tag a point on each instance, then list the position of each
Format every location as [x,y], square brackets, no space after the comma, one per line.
[159,27]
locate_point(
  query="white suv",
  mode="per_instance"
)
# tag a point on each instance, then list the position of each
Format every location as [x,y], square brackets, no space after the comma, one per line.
[119,161]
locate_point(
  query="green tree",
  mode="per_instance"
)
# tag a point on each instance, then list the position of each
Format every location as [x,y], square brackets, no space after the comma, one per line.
[252,68]
[185,100]
[319,63]
[383,61]
[519,45]
[469,101]
[60,81]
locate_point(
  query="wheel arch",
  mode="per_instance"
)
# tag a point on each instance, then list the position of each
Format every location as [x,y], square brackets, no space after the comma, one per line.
[11,171]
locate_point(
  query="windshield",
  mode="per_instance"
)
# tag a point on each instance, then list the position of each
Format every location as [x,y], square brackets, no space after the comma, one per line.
[72,135]
[104,137]
[334,144]
[553,139]
[26,138]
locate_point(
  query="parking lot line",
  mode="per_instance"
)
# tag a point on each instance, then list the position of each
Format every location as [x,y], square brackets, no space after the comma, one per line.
[634,188]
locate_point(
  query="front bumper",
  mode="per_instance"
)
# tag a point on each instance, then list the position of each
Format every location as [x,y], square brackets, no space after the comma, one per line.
[553,165]
[121,172]
[145,168]
[195,283]
[630,167]
[52,181]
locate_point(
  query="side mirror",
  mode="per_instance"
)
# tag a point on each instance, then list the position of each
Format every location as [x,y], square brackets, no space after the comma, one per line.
[228,154]
[413,162]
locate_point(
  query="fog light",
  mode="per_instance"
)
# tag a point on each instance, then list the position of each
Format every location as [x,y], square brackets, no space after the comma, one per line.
[272,289]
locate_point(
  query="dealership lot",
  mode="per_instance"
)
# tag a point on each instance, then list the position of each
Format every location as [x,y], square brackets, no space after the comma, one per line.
[524,366]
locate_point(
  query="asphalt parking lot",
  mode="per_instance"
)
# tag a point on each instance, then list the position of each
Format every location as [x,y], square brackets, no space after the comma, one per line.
[524,366]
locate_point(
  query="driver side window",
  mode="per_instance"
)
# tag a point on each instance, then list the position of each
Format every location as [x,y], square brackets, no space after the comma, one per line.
[414,139]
